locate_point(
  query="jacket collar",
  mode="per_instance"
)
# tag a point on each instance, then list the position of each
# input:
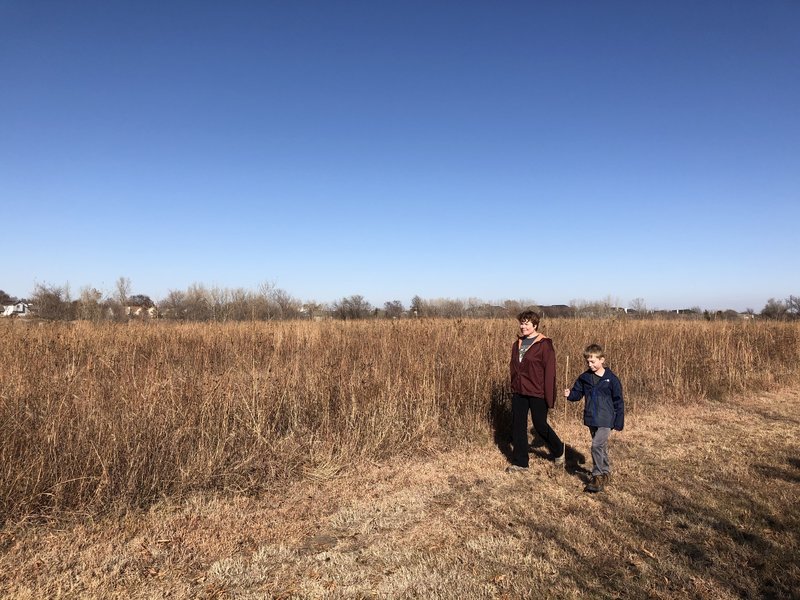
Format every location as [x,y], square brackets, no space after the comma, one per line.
[588,374]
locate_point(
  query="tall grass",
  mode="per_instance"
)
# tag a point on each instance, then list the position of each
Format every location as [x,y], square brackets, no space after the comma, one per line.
[94,417]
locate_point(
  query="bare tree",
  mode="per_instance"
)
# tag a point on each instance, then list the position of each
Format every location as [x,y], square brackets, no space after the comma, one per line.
[445,307]
[417,307]
[793,306]
[313,309]
[514,307]
[597,308]
[52,302]
[288,307]
[123,287]
[352,307]
[638,306]
[219,299]
[393,309]
[242,306]
[265,306]
[198,303]
[89,306]
[174,305]
[774,309]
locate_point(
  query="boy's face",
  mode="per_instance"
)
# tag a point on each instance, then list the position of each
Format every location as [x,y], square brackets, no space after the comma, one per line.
[526,328]
[595,362]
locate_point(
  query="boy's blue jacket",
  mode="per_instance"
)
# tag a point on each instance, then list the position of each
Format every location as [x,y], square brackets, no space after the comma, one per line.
[604,404]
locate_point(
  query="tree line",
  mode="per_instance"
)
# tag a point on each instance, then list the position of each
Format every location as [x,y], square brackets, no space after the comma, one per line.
[268,302]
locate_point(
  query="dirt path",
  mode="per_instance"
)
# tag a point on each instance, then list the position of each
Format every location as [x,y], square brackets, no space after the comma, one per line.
[703,505]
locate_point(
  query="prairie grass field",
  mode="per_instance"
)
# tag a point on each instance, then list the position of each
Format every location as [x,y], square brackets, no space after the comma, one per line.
[366,460]
[98,417]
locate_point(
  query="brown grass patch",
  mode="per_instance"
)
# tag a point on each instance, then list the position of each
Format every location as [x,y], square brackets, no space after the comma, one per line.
[357,460]
[703,505]
[99,418]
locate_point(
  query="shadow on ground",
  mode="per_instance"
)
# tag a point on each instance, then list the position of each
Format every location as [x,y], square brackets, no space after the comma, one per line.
[499,417]
[500,420]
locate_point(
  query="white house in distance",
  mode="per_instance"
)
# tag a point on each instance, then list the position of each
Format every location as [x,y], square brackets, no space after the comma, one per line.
[18,309]
[141,311]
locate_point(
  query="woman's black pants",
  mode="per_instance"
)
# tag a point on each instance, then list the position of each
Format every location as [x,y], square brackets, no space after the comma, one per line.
[520,405]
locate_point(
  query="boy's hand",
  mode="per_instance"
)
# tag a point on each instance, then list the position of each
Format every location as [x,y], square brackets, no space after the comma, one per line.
[566,392]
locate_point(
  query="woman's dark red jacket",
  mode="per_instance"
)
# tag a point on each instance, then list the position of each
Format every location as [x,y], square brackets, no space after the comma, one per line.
[536,374]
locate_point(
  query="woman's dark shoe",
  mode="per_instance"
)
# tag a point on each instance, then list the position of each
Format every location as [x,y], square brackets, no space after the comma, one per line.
[516,469]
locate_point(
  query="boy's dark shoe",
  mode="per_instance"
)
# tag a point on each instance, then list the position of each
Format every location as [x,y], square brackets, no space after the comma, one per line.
[597,484]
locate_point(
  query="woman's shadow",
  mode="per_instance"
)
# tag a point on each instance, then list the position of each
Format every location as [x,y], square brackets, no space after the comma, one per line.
[499,417]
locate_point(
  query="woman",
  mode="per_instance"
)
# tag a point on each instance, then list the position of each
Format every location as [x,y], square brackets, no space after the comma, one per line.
[533,382]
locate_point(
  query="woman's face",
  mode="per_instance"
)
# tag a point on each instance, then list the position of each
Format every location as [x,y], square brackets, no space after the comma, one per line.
[526,328]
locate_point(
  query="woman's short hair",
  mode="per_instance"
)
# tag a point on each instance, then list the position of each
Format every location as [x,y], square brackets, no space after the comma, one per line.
[529,315]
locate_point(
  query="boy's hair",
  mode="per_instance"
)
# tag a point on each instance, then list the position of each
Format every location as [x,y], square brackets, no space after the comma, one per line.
[594,350]
[529,315]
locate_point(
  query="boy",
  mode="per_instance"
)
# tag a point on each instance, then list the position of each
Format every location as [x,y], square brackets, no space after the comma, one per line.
[604,410]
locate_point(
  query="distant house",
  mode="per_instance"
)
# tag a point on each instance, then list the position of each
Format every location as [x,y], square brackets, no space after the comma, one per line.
[141,306]
[141,311]
[18,309]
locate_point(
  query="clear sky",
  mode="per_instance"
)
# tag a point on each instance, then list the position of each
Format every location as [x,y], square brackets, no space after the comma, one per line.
[499,150]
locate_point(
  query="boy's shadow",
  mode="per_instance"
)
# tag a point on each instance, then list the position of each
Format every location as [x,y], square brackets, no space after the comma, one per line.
[574,464]
[499,417]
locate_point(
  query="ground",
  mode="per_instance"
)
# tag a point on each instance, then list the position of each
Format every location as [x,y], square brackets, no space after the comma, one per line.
[702,505]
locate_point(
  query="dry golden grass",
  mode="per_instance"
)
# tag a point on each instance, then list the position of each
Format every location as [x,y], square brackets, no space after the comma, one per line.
[109,417]
[703,505]
[356,460]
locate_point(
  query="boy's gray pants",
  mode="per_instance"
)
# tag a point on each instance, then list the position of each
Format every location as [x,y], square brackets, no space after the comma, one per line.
[602,465]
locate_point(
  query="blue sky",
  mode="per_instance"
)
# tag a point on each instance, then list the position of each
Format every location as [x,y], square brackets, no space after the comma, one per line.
[551,151]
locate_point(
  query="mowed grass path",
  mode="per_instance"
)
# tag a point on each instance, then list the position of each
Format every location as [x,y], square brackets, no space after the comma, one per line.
[703,505]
